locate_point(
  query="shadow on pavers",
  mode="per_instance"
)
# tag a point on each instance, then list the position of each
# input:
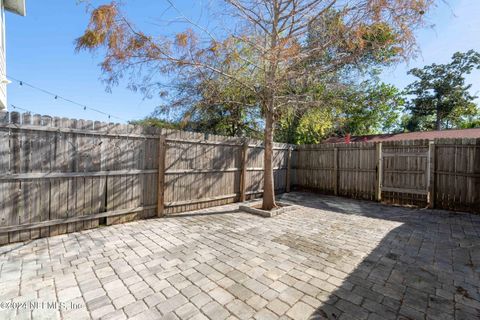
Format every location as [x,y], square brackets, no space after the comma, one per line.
[427,268]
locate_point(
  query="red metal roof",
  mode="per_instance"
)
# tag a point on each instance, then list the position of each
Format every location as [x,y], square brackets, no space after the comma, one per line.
[430,135]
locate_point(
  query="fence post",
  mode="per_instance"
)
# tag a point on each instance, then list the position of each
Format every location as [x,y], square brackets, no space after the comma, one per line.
[431,174]
[162,151]
[4,156]
[378,185]
[289,165]
[16,192]
[335,170]
[476,174]
[243,173]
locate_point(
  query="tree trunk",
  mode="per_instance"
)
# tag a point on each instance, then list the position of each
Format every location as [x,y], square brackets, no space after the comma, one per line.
[438,120]
[268,189]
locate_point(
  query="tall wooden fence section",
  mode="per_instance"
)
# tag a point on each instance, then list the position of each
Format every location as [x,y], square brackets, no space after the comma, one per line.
[443,174]
[341,169]
[457,174]
[405,172]
[61,175]
[201,172]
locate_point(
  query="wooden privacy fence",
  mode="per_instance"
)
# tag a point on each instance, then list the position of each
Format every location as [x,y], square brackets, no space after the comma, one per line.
[59,175]
[340,169]
[200,172]
[444,173]
[457,174]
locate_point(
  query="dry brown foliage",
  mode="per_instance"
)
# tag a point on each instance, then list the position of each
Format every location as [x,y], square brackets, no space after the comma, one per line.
[265,51]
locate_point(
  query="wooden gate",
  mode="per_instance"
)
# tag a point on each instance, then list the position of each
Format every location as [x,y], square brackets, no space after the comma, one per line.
[405,171]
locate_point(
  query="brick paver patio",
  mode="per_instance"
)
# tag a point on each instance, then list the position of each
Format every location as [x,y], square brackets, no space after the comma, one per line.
[333,258]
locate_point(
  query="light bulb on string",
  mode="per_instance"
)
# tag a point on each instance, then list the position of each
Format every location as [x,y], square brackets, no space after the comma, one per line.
[56,97]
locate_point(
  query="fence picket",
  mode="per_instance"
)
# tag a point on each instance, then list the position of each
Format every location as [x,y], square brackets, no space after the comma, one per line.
[57,168]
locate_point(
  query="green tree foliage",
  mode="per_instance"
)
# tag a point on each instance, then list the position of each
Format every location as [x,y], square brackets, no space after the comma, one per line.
[153,121]
[209,103]
[314,126]
[310,127]
[366,108]
[371,108]
[471,123]
[272,32]
[294,122]
[343,104]
[441,98]
[223,120]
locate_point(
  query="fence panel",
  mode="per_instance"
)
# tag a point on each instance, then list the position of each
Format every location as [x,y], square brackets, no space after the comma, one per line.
[357,170]
[457,174]
[405,175]
[60,175]
[343,169]
[313,167]
[200,173]
[443,174]
[280,166]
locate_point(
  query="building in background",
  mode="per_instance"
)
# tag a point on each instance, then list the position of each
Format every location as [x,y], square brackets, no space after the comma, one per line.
[17,7]
[430,135]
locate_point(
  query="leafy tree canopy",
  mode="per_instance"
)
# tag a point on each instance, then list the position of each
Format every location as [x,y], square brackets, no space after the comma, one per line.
[441,98]
[152,121]
[275,67]
[368,107]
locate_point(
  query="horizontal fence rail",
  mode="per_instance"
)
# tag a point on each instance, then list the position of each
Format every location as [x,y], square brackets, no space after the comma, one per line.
[444,173]
[60,175]
[340,169]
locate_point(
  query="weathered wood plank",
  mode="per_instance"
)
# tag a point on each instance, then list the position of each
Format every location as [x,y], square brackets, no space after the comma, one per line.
[289,170]
[379,176]
[431,174]
[162,152]
[5,189]
[335,171]
[243,174]
[16,187]
[75,131]
[73,219]
[66,170]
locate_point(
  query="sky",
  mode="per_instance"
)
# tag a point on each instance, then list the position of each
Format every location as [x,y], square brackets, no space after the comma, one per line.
[40,51]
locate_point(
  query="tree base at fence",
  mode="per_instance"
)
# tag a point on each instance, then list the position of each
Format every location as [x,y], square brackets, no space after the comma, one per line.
[256,208]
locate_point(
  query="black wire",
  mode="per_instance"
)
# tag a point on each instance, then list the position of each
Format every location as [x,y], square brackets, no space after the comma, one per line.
[19,108]
[57,96]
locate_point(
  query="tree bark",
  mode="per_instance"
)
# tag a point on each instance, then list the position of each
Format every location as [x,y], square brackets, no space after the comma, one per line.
[268,189]
[268,186]
[438,116]
[438,121]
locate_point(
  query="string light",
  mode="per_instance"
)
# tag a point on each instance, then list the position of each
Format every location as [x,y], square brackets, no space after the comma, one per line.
[19,108]
[57,96]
